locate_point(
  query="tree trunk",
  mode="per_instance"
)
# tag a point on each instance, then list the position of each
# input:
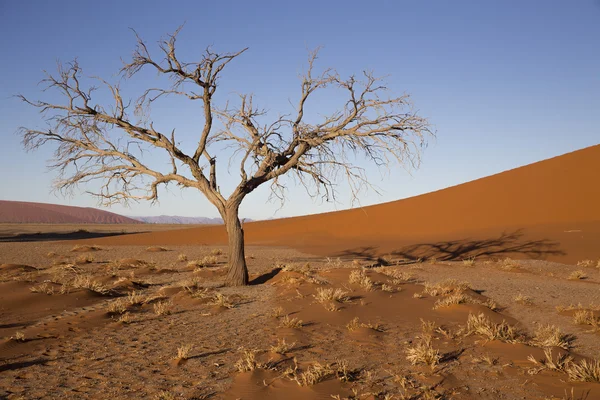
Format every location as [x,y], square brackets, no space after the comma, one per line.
[238,272]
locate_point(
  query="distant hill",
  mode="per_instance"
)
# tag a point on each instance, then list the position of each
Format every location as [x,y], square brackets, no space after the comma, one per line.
[175,219]
[21,212]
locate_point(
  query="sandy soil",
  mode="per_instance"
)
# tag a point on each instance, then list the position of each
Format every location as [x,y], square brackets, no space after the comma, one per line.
[125,311]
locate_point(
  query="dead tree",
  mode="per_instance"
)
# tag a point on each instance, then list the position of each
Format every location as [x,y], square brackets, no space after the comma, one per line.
[105,143]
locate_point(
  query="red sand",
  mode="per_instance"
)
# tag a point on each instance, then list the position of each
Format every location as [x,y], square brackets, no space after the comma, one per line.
[20,212]
[546,210]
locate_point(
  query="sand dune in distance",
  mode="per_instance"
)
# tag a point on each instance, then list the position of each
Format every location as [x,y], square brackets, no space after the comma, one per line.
[21,212]
[547,210]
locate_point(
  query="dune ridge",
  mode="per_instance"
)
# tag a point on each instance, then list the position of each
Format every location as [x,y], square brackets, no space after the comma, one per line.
[545,210]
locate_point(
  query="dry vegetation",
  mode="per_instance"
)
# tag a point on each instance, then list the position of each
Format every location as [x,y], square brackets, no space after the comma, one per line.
[303,328]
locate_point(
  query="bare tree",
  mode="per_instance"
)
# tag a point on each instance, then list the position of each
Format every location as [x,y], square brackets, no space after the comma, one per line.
[106,142]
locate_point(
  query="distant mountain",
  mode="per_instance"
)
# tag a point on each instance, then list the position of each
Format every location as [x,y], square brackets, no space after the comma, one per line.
[21,212]
[175,219]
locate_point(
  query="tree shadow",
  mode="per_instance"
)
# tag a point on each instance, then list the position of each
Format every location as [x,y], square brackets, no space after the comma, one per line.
[23,364]
[455,250]
[52,236]
[264,278]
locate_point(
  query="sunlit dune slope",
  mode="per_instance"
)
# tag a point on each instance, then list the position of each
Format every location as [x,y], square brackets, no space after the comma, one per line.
[21,212]
[546,210]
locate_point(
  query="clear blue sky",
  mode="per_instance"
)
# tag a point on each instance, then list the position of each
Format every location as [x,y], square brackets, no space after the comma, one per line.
[505,83]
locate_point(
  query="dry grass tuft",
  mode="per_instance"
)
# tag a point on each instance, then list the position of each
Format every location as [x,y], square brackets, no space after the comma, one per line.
[287,322]
[216,252]
[282,347]
[453,299]
[551,336]
[587,317]
[86,248]
[508,264]
[44,288]
[248,361]
[88,282]
[19,337]
[183,352]
[575,275]
[330,294]
[360,277]
[206,261]
[397,276]
[588,263]
[522,299]
[481,325]
[125,318]
[118,306]
[423,353]
[312,375]
[469,262]
[355,324]
[559,364]
[388,288]
[584,371]
[84,259]
[277,312]
[446,287]
[182,257]
[163,307]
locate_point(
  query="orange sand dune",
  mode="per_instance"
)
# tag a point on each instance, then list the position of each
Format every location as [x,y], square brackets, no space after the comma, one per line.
[21,212]
[546,210]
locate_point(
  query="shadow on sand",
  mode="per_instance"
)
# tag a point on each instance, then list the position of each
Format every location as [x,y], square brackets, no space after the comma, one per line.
[266,277]
[507,244]
[52,236]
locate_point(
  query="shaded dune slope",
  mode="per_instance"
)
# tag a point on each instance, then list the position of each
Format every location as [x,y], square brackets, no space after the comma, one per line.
[547,210]
[21,212]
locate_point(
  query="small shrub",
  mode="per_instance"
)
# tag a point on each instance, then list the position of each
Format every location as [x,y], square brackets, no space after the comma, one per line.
[118,306]
[183,352]
[84,259]
[509,264]
[330,294]
[522,299]
[248,361]
[551,336]
[277,312]
[287,322]
[44,288]
[446,287]
[88,282]
[584,371]
[19,337]
[182,257]
[359,277]
[216,252]
[559,364]
[481,325]
[579,274]
[423,353]
[313,374]
[469,262]
[586,263]
[282,347]
[125,318]
[163,308]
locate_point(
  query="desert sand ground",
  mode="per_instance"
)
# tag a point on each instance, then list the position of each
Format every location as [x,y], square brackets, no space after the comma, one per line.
[133,321]
[487,290]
